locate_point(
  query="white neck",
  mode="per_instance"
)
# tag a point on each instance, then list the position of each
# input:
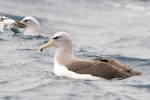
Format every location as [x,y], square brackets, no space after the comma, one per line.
[33,31]
[64,55]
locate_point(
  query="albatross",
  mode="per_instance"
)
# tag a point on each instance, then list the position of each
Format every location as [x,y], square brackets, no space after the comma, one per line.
[67,65]
[30,25]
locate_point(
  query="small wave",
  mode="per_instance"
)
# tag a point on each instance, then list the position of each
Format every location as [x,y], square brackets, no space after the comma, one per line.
[41,37]
[25,49]
[42,42]
[3,82]
[15,17]
[121,57]
[2,40]
[141,86]
[11,97]
[27,37]
[135,7]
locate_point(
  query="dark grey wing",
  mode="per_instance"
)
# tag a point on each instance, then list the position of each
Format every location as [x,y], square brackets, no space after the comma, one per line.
[99,69]
[115,63]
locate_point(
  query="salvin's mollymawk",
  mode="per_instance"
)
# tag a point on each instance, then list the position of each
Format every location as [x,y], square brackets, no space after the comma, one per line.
[66,64]
[30,25]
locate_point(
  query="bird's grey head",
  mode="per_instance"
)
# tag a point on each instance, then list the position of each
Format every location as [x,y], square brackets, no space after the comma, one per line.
[30,25]
[30,22]
[59,40]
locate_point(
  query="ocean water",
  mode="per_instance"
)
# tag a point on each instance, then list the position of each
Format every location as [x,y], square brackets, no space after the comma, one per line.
[118,29]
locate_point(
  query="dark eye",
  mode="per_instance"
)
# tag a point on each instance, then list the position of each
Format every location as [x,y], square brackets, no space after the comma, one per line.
[56,37]
[26,20]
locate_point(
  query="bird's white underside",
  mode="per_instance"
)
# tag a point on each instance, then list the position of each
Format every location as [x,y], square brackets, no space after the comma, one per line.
[61,70]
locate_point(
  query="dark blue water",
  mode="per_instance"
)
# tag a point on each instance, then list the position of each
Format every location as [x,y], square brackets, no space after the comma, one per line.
[118,29]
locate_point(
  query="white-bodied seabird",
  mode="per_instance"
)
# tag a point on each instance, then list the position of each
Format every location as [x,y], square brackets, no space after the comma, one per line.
[30,25]
[66,64]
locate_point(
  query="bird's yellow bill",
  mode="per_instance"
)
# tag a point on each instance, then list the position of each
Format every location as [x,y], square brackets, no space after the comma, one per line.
[47,45]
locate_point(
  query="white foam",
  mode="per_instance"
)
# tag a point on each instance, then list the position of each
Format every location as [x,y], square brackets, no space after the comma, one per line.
[6,23]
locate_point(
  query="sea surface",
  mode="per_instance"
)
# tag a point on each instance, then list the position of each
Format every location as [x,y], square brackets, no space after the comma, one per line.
[118,29]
